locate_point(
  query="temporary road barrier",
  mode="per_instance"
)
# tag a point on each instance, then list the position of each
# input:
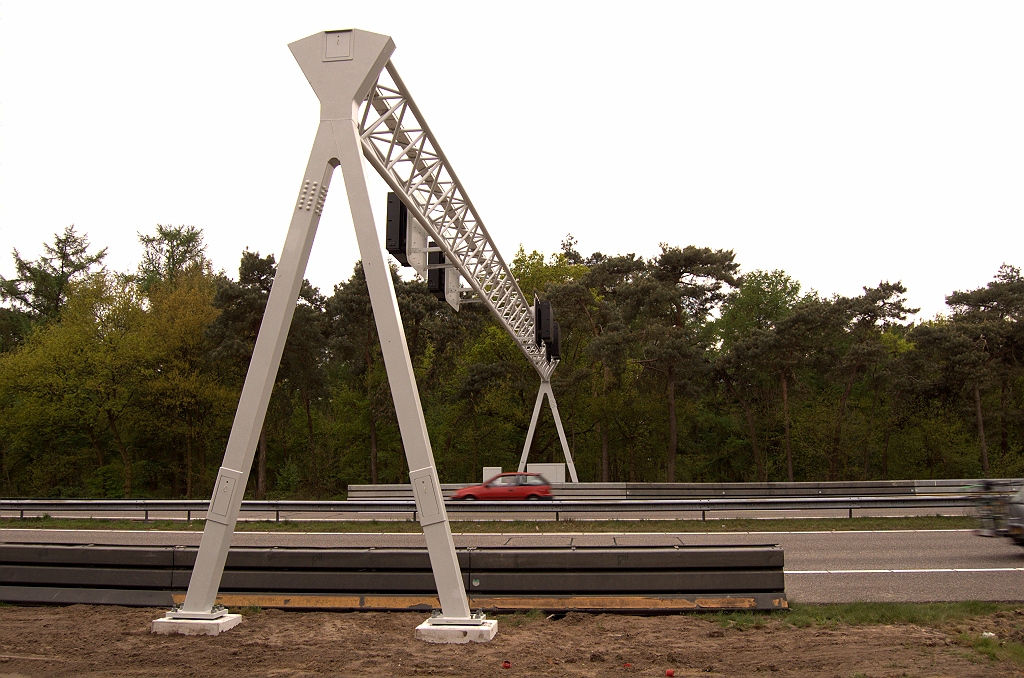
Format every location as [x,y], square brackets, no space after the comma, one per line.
[633,579]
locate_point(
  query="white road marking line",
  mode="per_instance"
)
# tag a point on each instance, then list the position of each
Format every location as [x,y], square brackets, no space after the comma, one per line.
[916,571]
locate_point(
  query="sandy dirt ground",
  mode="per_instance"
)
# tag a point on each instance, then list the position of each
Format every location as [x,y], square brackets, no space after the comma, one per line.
[109,641]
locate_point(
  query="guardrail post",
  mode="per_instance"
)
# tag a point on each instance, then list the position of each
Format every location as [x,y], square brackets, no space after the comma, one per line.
[146,518]
[277,516]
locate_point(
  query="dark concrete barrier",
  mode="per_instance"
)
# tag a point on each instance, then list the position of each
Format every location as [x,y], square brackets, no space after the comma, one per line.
[648,579]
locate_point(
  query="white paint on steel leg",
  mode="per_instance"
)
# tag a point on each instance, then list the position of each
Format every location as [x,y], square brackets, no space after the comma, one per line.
[533,427]
[259,380]
[561,433]
[413,427]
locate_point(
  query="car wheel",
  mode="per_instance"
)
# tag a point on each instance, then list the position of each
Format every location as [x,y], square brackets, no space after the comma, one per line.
[533,497]
[469,497]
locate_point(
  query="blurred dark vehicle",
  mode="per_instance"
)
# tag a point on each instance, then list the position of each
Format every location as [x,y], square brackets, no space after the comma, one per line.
[1015,518]
[999,510]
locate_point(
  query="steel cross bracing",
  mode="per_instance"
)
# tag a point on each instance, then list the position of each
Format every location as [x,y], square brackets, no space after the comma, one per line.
[398,143]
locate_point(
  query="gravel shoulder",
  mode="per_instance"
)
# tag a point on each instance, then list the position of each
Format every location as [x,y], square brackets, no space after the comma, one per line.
[109,641]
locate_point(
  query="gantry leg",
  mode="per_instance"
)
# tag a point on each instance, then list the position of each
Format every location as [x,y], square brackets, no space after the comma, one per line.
[545,390]
[422,473]
[533,427]
[561,435]
[259,383]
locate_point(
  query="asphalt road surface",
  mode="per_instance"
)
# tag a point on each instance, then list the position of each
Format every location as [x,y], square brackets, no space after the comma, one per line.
[821,567]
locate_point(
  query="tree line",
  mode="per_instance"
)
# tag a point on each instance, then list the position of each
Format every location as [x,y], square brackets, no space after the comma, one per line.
[677,367]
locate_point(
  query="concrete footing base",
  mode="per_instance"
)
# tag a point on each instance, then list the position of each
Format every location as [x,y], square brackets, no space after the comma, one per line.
[450,633]
[196,627]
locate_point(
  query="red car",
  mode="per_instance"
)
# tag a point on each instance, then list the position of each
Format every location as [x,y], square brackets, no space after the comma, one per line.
[508,486]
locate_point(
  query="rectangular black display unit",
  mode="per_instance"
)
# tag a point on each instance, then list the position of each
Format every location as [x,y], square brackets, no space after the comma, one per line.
[396,234]
[435,276]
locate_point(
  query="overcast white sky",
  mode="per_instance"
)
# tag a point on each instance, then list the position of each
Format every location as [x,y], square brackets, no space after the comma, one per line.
[843,142]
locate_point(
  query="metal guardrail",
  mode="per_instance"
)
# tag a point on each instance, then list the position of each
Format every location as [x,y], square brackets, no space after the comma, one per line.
[556,506]
[589,490]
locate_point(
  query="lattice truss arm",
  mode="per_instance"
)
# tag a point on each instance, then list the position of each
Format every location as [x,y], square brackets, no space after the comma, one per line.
[400,146]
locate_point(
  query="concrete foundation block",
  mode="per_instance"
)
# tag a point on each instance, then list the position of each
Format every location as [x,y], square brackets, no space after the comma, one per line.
[449,633]
[196,627]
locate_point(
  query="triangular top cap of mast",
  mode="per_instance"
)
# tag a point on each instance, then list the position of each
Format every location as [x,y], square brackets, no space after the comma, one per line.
[341,67]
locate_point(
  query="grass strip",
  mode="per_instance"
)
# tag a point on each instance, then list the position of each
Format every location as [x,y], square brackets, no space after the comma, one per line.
[993,648]
[943,616]
[516,526]
[858,614]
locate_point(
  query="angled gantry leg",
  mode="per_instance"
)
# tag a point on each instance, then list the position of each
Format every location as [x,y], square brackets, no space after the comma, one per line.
[561,434]
[422,474]
[533,427]
[259,383]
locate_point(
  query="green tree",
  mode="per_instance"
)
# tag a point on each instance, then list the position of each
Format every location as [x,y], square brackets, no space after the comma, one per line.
[39,290]
[241,304]
[994,317]
[87,371]
[869,315]
[169,254]
[681,291]
[14,327]
[980,343]
[302,370]
[188,401]
[356,349]
[592,312]
[764,337]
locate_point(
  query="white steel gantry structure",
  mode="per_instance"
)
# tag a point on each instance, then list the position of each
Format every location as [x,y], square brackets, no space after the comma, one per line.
[399,145]
[365,110]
